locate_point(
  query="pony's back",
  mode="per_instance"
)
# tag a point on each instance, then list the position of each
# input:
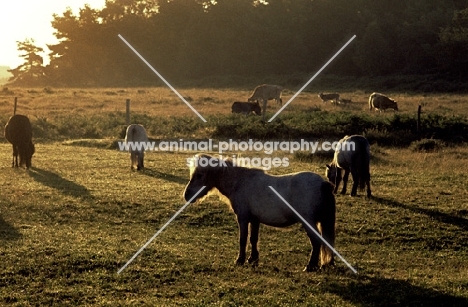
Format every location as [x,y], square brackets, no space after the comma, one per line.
[353,153]
[135,137]
[136,133]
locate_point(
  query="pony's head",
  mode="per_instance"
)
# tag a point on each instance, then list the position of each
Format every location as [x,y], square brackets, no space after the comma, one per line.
[204,171]
[26,155]
[333,173]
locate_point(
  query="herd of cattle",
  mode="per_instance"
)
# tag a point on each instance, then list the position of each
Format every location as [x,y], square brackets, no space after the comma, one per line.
[18,130]
[267,92]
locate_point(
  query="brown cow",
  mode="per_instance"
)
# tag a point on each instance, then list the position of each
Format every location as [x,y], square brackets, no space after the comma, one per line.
[18,132]
[381,102]
[330,97]
[267,92]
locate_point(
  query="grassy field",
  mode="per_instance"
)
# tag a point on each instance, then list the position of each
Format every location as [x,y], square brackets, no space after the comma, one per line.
[53,103]
[72,221]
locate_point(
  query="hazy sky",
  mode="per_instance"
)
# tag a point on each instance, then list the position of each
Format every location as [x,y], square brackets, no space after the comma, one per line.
[24,19]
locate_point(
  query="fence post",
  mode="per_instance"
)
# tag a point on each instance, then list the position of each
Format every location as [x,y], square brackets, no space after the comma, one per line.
[14,107]
[127,114]
[418,127]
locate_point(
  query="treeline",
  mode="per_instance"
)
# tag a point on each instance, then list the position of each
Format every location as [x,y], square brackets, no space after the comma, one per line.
[190,41]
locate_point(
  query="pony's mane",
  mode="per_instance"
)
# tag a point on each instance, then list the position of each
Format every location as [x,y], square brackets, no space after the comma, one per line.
[193,162]
[228,165]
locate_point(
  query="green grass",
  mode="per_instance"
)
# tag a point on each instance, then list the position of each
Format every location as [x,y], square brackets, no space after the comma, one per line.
[72,221]
[64,114]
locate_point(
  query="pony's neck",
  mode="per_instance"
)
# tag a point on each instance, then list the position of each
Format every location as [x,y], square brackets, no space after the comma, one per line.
[227,179]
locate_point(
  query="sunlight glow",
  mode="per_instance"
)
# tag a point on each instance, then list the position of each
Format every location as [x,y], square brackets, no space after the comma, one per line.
[31,19]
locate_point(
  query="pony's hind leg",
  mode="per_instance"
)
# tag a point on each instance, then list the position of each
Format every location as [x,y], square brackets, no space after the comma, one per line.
[345,182]
[355,183]
[313,264]
[141,156]
[254,229]
[14,163]
[132,160]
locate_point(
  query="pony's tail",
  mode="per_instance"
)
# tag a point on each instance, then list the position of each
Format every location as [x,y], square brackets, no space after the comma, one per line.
[327,223]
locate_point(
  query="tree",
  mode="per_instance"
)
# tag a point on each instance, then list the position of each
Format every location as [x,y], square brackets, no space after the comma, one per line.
[454,41]
[31,72]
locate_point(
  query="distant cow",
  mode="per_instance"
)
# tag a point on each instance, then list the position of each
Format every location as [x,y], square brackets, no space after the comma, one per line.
[136,137]
[267,92]
[381,102]
[330,97]
[345,101]
[246,107]
[18,132]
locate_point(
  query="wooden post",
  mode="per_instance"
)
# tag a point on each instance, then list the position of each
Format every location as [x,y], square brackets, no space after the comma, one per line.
[127,114]
[14,107]
[418,127]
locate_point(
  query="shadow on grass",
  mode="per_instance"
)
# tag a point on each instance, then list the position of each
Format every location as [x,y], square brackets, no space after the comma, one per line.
[379,291]
[62,185]
[164,176]
[7,231]
[439,216]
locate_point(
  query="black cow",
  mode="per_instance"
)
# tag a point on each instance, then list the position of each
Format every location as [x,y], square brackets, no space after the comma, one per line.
[246,108]
[18,132]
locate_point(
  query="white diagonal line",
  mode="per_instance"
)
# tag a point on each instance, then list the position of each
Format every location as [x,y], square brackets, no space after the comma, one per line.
[161,77]
[311,79]
[311,228]
[160,230]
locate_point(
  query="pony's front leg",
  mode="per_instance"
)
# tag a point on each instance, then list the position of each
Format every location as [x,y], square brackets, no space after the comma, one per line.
[254,229]
[369,193]
[345,181]
[243,232]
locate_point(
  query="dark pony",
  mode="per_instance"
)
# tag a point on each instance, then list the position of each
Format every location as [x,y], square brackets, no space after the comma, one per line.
[18,132]
[254,203]
[352,155]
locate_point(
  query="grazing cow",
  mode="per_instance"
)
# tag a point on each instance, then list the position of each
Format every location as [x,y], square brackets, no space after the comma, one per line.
[267,92]
[330,97]
[345,101]
[18,132]
[381,102]
[246,107]
[136,136]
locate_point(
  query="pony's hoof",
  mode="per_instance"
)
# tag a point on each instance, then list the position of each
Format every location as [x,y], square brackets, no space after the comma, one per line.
[240,261]
[311,268]
[253,261]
